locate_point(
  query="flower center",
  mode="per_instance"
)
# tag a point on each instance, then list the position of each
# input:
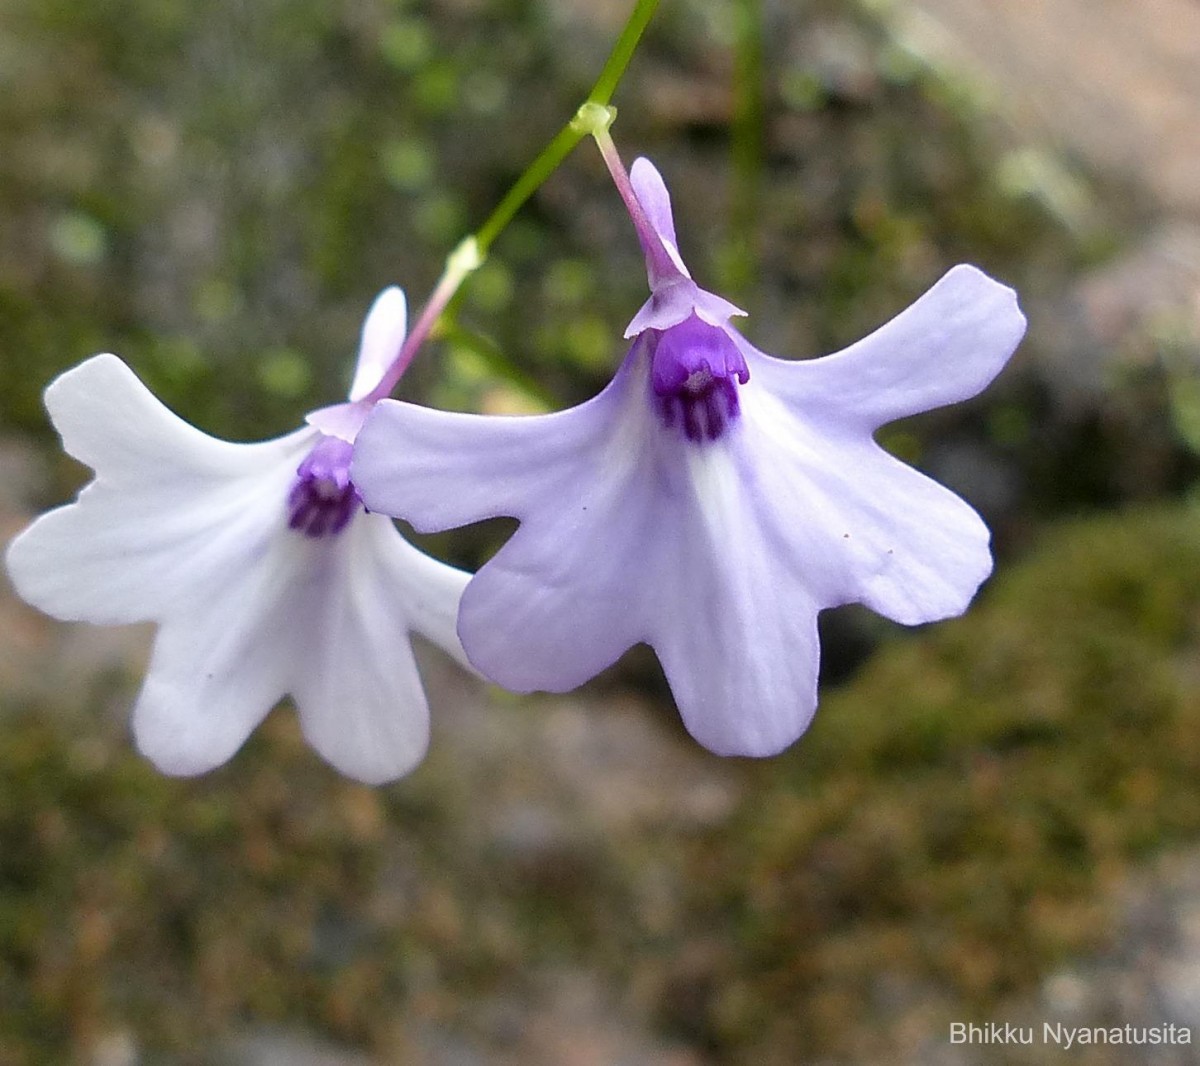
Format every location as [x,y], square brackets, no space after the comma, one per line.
[323,499]
[693,367]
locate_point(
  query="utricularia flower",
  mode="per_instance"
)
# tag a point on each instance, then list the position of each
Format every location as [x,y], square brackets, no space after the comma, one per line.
[709,502]
[265,574]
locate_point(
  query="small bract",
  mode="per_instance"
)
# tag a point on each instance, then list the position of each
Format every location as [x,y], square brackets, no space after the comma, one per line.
[709,502]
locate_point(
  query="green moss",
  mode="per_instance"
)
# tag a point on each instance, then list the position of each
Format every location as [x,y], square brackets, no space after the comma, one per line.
[956,814]
[174,909]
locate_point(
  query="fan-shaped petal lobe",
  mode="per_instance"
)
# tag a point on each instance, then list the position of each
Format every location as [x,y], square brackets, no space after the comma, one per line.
[218,668]
[171,509]
[356,686]
[860,525]
[439,470]
[734,628]
[945,347]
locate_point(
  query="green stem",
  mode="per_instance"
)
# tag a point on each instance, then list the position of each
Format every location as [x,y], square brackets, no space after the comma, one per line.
[470,254]
[526,185]
[573,132]
[622,52]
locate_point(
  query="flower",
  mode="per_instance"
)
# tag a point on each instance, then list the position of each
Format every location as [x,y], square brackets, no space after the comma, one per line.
[709,502]
[264,572]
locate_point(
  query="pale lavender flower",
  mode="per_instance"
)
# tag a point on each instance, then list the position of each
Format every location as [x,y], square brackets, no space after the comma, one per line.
[259,563]
[709,502]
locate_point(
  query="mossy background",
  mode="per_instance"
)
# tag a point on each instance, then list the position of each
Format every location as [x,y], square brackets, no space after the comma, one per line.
[216,192]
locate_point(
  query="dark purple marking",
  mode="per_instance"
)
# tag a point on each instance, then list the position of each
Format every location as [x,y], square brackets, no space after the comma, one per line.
[323,499]
[695,369]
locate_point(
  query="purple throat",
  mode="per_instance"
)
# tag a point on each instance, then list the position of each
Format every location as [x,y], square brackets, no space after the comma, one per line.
[323,499]
[695,369]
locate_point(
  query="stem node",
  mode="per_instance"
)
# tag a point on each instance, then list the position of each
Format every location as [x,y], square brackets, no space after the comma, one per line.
[593,119]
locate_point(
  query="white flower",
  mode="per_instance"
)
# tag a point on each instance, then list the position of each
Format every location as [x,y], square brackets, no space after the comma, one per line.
[259,563]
